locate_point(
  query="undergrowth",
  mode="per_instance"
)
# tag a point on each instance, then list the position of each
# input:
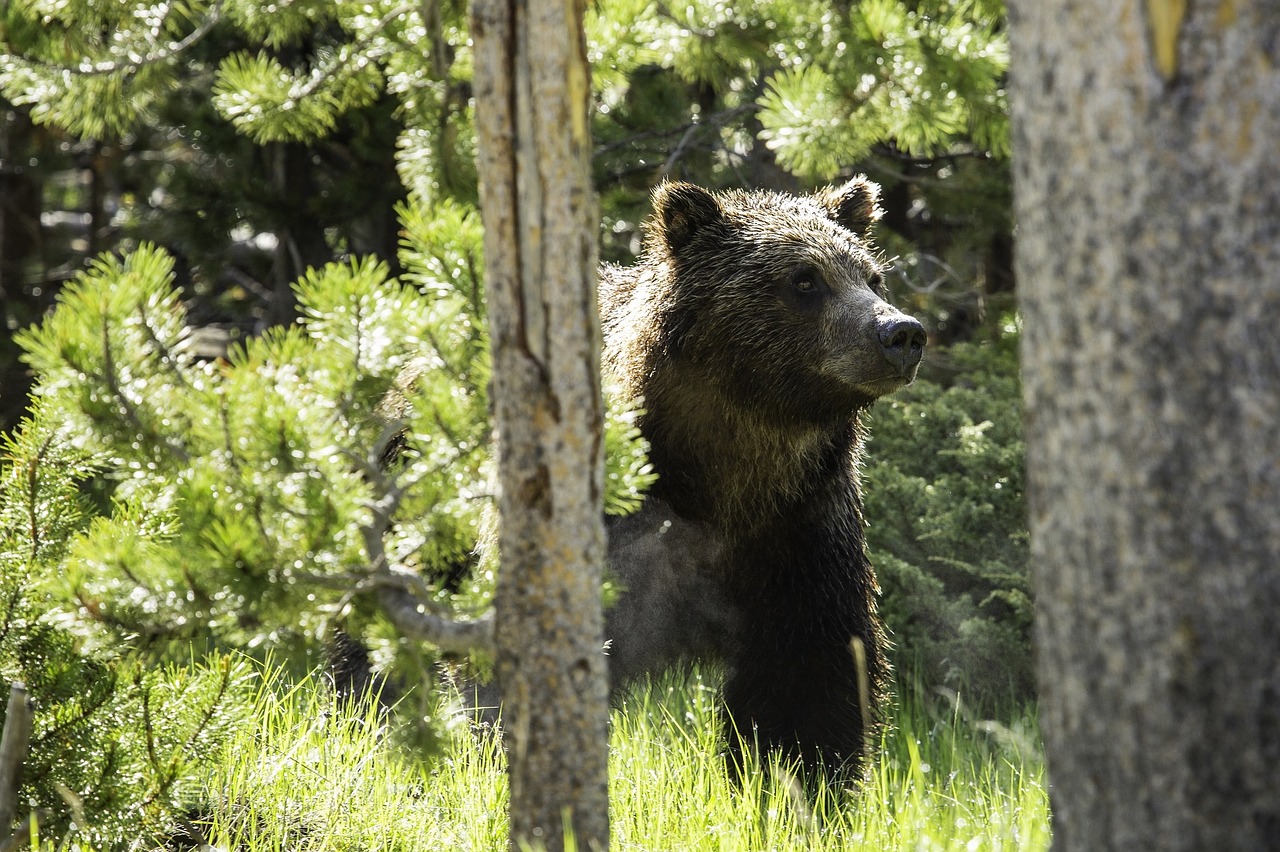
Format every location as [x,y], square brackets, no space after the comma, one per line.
[307,777]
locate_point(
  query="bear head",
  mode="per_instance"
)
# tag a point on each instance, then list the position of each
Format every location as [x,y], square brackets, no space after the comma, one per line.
[779,301]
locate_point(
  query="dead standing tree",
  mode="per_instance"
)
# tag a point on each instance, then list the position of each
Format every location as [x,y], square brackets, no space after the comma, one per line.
[1147,191]
[532,96]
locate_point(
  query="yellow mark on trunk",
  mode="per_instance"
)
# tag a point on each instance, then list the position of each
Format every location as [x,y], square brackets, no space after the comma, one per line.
[1226,14]
[1244,133]
[579,98]
[579,93]
[1164,17]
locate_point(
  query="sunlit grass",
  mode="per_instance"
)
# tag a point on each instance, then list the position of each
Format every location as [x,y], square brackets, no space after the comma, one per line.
[941,783]
[307,778]
[310,778]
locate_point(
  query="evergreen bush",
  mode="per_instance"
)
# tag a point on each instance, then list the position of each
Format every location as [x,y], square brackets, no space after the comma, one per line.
[946,524]
[116,746]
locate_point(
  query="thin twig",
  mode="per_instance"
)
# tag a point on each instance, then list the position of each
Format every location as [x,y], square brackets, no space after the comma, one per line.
[33,486]
[167,356]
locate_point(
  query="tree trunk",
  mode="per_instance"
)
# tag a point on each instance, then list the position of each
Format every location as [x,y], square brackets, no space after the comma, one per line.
[21,204]
[1148,205]
[532,94]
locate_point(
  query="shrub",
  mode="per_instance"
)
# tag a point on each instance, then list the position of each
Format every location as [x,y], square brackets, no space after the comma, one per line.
[946,523]
[115,746]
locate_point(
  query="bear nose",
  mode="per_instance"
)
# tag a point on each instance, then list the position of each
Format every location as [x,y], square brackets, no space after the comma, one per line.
[902,342]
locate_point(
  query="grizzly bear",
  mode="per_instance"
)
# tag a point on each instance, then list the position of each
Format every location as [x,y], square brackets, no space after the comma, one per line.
[754,332]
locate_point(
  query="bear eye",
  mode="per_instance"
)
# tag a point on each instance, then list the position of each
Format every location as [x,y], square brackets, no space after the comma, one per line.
[806,279]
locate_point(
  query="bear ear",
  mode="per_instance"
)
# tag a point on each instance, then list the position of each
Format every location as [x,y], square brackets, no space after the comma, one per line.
[682,210]
[853,205]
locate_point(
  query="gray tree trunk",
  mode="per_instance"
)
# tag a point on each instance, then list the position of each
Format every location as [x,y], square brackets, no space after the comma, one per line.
[532,95]
[1147,185]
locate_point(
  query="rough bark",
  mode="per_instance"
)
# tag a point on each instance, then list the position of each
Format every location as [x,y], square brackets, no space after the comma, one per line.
[13,752]
[532,94]
[1147,184]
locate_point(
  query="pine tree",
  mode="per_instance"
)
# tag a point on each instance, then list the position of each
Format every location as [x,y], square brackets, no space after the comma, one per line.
[242,502]
[115,746]
[248,503]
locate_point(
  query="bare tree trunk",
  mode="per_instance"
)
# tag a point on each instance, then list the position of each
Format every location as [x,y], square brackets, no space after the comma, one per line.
[532,94]
[13,753]
[1148,205]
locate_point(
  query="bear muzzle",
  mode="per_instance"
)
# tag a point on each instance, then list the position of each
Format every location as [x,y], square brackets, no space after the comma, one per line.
[902,340]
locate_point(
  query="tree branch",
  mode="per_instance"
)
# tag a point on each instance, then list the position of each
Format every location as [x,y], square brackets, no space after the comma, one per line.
[320,76]
[127,407]
[447,634]
[392,588]
[114,67]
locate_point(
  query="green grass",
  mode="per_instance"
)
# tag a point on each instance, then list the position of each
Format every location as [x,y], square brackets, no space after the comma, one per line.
[941,783]
[305,778]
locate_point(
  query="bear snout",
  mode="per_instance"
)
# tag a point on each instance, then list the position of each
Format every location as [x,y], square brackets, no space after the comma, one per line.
[902,341]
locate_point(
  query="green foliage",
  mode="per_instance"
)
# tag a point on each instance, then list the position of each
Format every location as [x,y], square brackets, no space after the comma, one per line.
[783,93]
[271,104]
[245,501]
[947,527]
[93,68]
[279,24]
[241,502]
[829,83]
[928,76]
[244,472]
[114,745]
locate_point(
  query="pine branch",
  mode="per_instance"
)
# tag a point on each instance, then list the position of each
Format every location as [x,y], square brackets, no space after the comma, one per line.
[322,75]
[406,613]
[701,32]
[98,69]
[148,729]
[33,485]
[167,355]
[170,774]
[97,697]
[130,411]
[394,590]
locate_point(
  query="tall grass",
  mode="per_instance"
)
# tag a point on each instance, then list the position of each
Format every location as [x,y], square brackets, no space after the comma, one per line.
[309,778]
[941,782]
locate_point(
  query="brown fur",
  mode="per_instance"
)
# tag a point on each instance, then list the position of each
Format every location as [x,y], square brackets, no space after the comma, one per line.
[754,330]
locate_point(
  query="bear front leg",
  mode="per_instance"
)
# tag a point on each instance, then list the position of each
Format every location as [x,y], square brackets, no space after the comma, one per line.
[799,700]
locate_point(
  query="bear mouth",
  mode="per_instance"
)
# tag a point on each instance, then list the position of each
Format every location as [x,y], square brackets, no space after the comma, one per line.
[876,388]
